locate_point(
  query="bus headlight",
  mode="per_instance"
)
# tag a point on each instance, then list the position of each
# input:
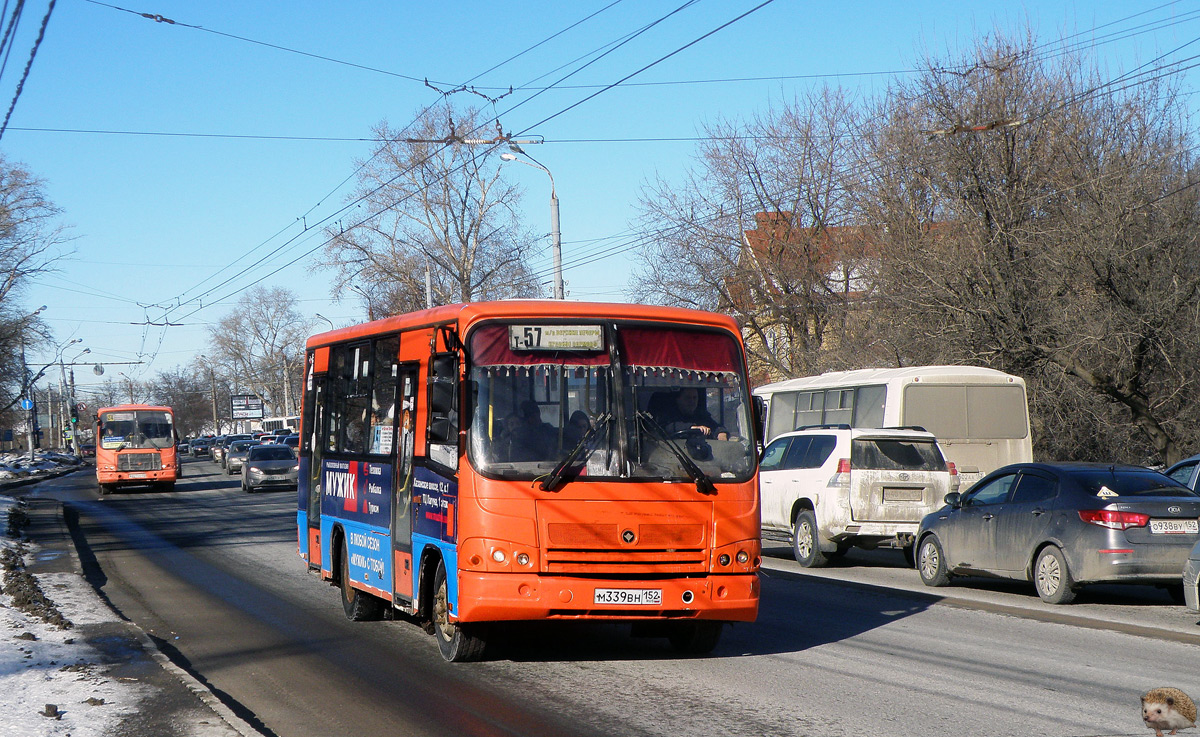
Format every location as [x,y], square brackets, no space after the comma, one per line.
[498,555]
[522,559]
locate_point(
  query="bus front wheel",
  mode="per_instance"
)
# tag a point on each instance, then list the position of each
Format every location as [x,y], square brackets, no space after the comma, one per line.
[695,638]
[359,606]
[457,642]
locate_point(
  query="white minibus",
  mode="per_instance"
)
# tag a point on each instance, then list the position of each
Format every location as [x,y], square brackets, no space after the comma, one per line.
[980,416]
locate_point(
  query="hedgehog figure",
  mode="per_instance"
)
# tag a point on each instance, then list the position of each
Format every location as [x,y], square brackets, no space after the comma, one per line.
[1168,708]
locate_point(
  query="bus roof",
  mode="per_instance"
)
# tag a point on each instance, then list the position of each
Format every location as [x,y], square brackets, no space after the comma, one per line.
[862,377]
[466,314]
[128,407]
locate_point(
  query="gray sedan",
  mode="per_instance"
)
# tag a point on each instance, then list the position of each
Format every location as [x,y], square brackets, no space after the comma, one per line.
[270,466]
[1061,525]
[235,455]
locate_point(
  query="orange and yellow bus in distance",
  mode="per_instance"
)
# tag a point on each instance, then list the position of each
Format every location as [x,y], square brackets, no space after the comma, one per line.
[136,445]
[532,460]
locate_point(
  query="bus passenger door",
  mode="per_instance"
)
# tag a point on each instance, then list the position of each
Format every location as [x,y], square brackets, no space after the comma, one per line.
[402,558]
[313,445]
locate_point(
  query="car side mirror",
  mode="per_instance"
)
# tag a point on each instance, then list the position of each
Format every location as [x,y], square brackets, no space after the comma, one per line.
[954,499]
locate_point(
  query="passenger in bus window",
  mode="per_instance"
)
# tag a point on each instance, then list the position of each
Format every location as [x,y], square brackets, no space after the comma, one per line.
[576,428]
[532,439]
[687,412]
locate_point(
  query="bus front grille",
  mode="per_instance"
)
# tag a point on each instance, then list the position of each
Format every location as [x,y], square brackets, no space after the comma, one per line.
[626,562]
[139,462]
[641,548]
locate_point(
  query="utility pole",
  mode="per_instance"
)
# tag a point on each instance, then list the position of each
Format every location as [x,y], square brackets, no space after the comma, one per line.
[212,378]
[74,414]
[30,405]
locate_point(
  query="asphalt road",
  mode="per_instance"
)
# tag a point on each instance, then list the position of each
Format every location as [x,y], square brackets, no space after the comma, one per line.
[863,648]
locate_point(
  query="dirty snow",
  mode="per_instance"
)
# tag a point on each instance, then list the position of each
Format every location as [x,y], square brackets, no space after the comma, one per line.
[53,683]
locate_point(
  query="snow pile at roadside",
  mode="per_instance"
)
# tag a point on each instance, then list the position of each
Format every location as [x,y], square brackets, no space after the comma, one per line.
[52,681]
[20,465]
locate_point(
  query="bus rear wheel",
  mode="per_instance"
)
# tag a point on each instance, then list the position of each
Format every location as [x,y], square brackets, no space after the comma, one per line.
[458,643]
[359,606]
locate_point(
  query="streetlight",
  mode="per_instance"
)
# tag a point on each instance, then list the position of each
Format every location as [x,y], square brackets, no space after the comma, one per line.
[367,297]
[326,319]
[63,410]
[555,235]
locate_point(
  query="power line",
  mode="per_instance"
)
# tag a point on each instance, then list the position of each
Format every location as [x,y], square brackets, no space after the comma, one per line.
[28,65]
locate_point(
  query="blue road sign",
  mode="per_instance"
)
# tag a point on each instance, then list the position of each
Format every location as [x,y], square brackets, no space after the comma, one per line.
[26,404]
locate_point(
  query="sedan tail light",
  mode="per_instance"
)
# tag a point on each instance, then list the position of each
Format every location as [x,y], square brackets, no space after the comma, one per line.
[1113,519]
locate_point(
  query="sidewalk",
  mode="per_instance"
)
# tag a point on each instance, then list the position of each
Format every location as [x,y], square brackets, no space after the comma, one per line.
[101,676]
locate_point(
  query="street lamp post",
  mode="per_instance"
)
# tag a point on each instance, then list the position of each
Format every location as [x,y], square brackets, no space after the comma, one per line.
[62,388]
[555,233]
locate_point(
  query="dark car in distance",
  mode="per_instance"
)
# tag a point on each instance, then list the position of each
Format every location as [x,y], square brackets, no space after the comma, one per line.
[1063,525]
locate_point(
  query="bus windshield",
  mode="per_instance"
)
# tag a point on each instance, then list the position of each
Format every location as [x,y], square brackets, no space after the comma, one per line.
[633,401]
[136,429]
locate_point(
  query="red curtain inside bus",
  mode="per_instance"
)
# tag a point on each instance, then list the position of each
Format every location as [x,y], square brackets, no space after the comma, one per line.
[679,349]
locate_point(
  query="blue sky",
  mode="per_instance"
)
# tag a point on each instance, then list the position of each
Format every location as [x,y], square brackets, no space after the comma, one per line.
[273,135]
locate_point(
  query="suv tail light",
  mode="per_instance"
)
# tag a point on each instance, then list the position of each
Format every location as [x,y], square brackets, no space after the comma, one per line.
[1113,519]
[844,465]
[953,469]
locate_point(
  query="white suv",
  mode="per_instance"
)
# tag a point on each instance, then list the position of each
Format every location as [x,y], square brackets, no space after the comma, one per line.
[832,487]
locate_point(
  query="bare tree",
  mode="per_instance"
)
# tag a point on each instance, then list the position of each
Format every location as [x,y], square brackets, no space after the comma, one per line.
[187,393]
[763,228]
[30,241]
[432,203]
[260,344]
[1036,219]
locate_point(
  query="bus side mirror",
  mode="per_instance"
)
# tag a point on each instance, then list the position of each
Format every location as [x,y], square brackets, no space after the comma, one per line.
[443,399]
[758,409]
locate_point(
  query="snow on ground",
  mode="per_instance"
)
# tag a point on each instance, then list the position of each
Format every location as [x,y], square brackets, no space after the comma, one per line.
[44,664]
[52,682]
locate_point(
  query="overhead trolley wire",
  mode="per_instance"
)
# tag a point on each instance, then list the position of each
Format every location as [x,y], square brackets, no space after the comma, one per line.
[489,122]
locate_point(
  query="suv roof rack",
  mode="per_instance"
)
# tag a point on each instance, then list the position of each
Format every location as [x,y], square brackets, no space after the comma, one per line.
[918,428]
[829,426]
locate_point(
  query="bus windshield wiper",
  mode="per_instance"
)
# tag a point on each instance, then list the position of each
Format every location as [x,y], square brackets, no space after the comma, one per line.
[704,484]
[556,475]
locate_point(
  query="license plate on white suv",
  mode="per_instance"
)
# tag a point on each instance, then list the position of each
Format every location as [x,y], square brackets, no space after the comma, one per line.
[632,597]
[1175,526]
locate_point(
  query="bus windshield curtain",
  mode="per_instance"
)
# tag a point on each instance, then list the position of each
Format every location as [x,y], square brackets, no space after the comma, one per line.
[679,350]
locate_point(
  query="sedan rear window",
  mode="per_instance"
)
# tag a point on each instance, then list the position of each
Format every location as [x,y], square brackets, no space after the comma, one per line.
[883,454]
[269,453]
[1130,483]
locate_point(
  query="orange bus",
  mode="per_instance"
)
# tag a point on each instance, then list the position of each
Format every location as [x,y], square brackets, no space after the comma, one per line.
[136,445]
[533,460]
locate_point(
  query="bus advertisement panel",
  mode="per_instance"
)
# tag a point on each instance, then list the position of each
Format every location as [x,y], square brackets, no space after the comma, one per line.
[136,445]
[531,460]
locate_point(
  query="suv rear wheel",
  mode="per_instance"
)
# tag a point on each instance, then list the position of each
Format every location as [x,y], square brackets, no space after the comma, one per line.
[805,545]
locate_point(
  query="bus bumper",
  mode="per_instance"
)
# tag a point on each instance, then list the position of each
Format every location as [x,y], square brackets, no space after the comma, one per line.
[118,478]
[499,597]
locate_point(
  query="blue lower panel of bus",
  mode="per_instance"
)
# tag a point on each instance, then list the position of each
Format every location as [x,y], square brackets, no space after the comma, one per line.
[423,546]
[368,553]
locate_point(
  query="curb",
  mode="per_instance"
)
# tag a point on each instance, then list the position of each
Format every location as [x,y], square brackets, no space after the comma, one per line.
[51,518]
